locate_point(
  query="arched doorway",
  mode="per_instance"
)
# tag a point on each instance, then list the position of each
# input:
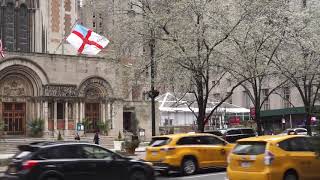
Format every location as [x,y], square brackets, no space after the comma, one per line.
[16,91]
[20,89]
[94,92]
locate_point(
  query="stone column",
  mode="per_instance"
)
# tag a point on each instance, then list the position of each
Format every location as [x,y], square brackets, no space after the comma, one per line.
[81,109]
[45,115]
[103,107]
[38,109]
[66,114]
[76,113]
[109,115]
[55,122]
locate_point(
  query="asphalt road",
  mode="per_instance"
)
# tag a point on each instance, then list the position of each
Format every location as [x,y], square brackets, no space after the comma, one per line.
[205,175]
[209,176]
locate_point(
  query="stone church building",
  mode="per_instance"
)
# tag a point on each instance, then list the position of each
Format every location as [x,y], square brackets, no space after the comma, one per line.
[42,78]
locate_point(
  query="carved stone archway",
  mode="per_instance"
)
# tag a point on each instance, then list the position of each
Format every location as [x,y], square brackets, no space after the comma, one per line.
[21,83]
[94,92]
[95,87]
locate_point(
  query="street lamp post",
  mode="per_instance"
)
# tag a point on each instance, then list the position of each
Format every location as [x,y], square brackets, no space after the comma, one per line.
[153,93]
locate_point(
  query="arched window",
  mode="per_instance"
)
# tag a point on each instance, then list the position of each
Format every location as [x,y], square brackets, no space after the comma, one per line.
[15,28]
[23,29]
[9,27]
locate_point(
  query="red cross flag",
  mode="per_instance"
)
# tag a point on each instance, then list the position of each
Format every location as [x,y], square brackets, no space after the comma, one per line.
[86,41]
[1,49]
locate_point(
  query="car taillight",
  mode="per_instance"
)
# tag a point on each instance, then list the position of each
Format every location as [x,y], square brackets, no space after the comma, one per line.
[268,158]
[29,164]
[169,149]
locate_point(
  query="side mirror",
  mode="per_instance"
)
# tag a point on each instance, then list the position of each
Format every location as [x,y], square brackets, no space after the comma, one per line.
[224,143]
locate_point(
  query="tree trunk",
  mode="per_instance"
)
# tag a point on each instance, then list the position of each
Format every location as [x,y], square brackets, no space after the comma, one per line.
[258,120]
[308,120]
[200,122]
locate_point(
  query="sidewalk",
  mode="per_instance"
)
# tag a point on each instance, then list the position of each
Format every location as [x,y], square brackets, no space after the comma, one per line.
[2,169]
[3,162]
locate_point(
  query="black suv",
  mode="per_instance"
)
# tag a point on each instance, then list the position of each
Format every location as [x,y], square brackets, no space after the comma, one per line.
[233,134]
[74,161]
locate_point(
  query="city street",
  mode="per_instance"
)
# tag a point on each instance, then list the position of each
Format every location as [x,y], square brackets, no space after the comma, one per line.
[207,175]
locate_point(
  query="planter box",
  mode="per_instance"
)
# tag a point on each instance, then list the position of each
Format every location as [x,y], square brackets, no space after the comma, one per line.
[117,145]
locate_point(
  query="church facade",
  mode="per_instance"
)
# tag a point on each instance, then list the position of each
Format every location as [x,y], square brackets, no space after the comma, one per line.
[42,78]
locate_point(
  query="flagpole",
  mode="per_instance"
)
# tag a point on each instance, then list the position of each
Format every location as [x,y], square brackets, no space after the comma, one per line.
[65,36]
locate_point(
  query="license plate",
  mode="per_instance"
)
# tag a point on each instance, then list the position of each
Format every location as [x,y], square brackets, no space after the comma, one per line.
[154,153]
[245,164]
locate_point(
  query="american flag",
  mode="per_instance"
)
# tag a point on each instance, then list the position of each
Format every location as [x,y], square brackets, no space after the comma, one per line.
[1,49]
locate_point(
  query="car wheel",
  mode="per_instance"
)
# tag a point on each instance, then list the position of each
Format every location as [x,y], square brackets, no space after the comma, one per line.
[291,175]
[189,166]
[138,175]
[164,173]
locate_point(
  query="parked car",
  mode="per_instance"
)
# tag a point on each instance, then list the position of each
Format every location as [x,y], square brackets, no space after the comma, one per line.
[215,132]
[67,161]
[298,131]
[187,153]
[284,157]
[233,134]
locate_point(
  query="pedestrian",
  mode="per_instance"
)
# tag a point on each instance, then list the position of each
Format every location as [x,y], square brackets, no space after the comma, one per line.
[77,137]
[96,138]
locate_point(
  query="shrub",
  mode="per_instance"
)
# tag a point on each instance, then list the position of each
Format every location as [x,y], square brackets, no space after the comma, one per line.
[103,127]
[36,127]
[119,138]
[86,124]
[130,146]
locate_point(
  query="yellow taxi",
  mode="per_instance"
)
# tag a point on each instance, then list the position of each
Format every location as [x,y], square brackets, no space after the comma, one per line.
[187,152]
[289,157]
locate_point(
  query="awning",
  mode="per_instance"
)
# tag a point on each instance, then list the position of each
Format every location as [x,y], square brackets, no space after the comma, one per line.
[287,111]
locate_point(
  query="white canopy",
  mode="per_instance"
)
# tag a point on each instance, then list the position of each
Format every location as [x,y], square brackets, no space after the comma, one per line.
[170,103]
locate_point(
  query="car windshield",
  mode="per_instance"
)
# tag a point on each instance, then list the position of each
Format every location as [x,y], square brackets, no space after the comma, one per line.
[247,131]
[159,141]
[250,148]
[22,154]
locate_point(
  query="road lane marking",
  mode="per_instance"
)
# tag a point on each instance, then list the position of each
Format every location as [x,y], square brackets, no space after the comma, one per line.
[203,175]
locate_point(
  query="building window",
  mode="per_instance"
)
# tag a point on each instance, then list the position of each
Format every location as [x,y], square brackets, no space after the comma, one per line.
[100,24]
[168,122]
[94,24]
[22,30]
[15,28]
[286,97]
[266,104]
[9,28]
[216,96]
[246,99]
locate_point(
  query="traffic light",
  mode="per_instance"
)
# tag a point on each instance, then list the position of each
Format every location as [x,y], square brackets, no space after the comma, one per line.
[153,94]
